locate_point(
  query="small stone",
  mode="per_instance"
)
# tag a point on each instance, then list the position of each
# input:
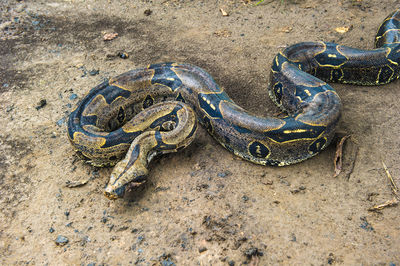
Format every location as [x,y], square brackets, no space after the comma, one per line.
[224,174]
[123,55]
[9,108]
[60,122]
[365,224]
[42,103]
[51,230]
[167,262]
[253,252]
[202,249]
[148,12]
[94,72]
[123,228]
[61,240]
[140,239]
[73,96]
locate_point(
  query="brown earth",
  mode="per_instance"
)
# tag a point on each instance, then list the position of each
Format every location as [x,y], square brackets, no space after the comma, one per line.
[201,206]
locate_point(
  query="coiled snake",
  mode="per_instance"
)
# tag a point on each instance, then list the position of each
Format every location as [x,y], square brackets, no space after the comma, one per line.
[154,110]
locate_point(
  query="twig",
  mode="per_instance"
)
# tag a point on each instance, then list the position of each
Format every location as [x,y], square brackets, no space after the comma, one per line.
[388,203]
[392,183]
[392,202]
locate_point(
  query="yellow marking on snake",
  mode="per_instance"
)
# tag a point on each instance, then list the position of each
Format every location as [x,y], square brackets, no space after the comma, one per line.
[295,131]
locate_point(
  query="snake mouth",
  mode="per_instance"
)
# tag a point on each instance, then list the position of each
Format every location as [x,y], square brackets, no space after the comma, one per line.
[114,194]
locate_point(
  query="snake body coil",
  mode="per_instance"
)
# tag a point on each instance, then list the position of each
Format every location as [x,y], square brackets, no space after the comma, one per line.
[153,110]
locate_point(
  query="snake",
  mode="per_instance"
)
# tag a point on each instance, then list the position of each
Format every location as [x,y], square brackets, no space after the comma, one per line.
[128,120]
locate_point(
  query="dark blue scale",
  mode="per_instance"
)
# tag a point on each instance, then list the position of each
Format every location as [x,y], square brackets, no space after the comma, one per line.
[331,57]
[163,74]
[204,102]
[110,93]
[304,131]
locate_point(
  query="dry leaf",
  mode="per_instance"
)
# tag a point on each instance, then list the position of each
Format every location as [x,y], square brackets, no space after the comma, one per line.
[224,13]
[389,203]
[223,33]
[286,29]
[343,29]
[338,156]
[110,36]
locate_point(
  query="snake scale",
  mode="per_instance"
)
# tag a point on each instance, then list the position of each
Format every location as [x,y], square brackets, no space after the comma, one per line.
[150,111]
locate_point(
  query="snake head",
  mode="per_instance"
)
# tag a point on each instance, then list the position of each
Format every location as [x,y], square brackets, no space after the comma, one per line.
[120,183]
[128,173]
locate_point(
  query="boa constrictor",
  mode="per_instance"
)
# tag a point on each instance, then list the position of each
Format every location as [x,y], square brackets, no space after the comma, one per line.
[154,110]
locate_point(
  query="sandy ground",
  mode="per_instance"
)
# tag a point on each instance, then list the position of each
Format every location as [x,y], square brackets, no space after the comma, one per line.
[201,206]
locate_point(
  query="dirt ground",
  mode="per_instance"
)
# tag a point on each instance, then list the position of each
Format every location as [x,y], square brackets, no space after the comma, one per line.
[201,206]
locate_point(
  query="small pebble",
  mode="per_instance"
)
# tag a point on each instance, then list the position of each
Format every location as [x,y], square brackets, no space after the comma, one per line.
[224,174]
[94,72]
[61,240]
[123,55]
[167,262]
[73,96]
[221,174]
[252,252]
[365,224]
[51,230]
[60,122]
[42,103]
[140,239]
[9,108]
[202,249]
[148,12]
